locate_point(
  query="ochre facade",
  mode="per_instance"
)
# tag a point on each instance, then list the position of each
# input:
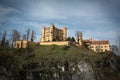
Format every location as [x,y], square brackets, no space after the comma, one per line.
[100,46]
[80,39]
[21,44]
[24,44]
[60,43]
[97,46]
[53,34]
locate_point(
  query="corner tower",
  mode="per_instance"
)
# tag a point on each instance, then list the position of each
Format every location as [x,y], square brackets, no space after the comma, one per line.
[53,33]
[80,39]
[43,34]
[64,33]
[51,36]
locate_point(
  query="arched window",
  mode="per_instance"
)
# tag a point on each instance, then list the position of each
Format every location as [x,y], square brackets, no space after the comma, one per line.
[17,45]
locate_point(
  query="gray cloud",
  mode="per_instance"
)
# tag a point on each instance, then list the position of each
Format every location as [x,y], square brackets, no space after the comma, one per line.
[97,18]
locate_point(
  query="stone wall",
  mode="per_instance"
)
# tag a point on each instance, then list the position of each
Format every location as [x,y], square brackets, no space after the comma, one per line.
[56,43]
[52,33]
[100,48]
[24,44]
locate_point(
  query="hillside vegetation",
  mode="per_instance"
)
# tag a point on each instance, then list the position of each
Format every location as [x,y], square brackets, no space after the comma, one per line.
[58,63]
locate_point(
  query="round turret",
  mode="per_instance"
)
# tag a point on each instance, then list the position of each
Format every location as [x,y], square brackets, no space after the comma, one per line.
[65,28]
[80,38]
[52,26]
[44,27]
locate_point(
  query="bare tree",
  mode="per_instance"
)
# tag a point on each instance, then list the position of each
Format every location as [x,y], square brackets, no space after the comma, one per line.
[32,35]
[118,41]
[15,36]
[28,33]
[116,49]
[3,38]
[78,34]
[24,37]
[10,40]
[0,36]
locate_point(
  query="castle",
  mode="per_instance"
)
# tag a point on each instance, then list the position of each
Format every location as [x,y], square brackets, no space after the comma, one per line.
[53,34]
[23,43]
[97,45]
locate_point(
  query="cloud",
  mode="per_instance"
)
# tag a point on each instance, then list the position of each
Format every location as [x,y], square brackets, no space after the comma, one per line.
[95,18]
[63,10]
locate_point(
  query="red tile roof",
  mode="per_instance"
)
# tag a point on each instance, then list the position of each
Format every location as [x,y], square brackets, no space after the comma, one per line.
[100,42]
[96,42]
[87,41]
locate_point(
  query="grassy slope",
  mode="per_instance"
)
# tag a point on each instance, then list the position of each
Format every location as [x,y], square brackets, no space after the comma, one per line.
[62,53]
[52,55]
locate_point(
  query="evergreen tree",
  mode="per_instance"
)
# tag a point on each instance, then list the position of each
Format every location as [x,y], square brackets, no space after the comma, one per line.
[73,39]
[69,38]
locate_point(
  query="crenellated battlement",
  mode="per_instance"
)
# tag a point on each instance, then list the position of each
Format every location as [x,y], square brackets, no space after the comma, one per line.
[52,33]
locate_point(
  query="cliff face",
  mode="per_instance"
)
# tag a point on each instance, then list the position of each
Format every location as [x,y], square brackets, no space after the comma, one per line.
[58,63]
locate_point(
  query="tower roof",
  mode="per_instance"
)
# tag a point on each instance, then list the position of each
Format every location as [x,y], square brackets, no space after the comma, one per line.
[100,42]
[52,25]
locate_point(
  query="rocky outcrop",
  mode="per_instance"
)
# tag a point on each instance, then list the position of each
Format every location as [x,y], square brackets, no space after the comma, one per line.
[58,65]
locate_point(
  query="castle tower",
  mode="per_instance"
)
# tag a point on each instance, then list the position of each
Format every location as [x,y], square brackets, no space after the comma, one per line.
[64,33]
[43,34]
[80,39]
[51,36]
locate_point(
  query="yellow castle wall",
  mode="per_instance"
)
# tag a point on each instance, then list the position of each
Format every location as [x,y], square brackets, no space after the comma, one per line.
[55,43]
[52,33]
[101,47]
[17,44]
[21,44]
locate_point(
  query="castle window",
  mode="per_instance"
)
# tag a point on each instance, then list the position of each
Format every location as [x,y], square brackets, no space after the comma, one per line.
[101,46]
[92,46]
[105,46]
[101,50]
[105,49]
[17,45]
[96,49]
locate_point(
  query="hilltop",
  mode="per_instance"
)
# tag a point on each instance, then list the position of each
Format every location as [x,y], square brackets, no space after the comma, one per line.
[59,63]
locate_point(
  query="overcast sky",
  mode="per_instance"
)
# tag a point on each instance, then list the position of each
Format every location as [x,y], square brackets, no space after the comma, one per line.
[99,19]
